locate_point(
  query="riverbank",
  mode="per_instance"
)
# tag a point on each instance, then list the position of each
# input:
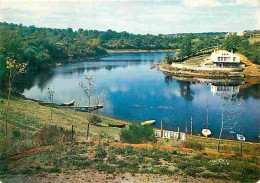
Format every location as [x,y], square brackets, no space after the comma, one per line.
[140,50]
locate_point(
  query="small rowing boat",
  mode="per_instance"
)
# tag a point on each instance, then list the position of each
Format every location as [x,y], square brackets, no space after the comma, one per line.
[241,137]
[71,103]
[117,125]
[149,122]
[80,110]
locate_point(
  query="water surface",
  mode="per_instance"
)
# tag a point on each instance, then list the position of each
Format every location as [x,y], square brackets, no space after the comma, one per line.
[135,92]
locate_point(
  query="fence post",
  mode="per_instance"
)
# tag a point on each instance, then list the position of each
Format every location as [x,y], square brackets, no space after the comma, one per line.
[72,131]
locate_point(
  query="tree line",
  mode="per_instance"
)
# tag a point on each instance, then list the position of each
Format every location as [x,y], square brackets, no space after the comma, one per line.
[45,46]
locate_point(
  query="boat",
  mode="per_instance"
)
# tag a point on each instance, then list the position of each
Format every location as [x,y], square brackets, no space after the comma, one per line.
[47,103]
[80,110]
[241,137]
[117,125]
[149,122]
[206,132]
[71,103]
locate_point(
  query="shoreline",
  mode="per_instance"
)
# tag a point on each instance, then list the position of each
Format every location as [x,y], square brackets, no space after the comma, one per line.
[139,50]
[122,121]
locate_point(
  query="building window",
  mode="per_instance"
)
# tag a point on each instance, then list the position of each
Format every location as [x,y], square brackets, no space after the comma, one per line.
[225,58]
[234,58]
[218,58]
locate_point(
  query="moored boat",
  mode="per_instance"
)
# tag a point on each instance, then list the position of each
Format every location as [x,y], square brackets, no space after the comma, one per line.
[117,125]
[241,137]
[206,132]
[149,122]
[71,103]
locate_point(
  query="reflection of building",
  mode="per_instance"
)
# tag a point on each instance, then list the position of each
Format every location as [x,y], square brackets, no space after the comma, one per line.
[224,89]
[224,58]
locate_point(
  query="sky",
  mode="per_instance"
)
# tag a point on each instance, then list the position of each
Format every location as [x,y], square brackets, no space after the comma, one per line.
[136,16]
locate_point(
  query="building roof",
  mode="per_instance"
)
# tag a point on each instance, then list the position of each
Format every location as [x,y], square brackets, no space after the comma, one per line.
[224,51]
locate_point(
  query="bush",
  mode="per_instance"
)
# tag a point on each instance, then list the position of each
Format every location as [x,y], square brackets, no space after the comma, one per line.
[52,135]
[165,170]
[112,159]
[137,134]
[100,154]
[194,171]
[193,145]
[105,168]
[3,168]
[94,120]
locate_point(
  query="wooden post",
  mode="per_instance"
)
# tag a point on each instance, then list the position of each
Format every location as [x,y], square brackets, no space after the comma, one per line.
[88,130]
[191,125]
[178,133]
[186,129]
[72,131]
[161,130]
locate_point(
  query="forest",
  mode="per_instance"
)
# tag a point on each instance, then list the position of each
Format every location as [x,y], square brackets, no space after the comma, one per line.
[45,47]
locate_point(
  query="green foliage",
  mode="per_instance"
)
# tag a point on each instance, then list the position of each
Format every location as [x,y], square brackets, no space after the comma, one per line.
[94,120]
[241,44]
[112,159]
[165,170]
[218,165]
[188,164]
[137,134]
[3,168]
[100,154]
[193,171]
[105,168]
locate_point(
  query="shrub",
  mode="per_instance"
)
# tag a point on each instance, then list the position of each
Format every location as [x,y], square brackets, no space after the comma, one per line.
[166,155]
[52,135]
[194,171]
[3,168]
[129,150]
[185,164]
[112,159]
[100,154]
[105,168]
[137,134]
[165,170]
[94,120]
[193,145]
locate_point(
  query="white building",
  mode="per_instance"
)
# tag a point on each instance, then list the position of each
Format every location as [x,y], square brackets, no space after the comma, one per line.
[223,58]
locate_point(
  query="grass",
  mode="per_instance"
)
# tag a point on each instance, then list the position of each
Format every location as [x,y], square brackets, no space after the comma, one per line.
[84,156]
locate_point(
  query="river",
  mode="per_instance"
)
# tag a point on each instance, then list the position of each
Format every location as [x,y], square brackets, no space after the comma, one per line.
[135,92]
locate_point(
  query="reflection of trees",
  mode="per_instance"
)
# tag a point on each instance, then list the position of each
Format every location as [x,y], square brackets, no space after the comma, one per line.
[250,91]
[41,77]
[167,79]
[185,90]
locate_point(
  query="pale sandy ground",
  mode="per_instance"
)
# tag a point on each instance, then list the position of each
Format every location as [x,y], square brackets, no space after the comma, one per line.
[93,176]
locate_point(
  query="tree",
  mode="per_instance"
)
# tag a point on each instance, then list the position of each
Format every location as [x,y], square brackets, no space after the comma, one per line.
[87,88]
[50,94]
[14,68]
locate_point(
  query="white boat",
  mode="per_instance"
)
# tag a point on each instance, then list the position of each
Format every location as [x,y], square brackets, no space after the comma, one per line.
[206,132]
[241,137]
[149,122]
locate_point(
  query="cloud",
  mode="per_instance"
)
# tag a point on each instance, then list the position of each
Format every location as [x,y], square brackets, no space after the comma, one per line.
[135,16]
[199,3]
[257,19]
[248,2]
